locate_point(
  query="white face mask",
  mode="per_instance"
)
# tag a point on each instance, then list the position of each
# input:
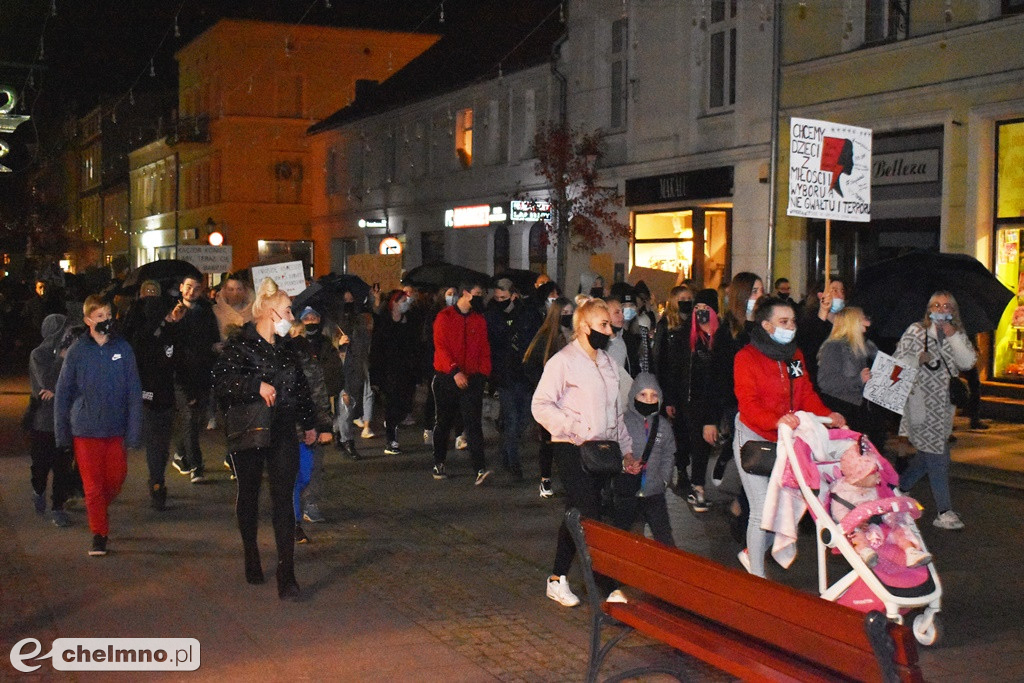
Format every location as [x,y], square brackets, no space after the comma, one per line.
[282,327]
[628,313]
[449,299]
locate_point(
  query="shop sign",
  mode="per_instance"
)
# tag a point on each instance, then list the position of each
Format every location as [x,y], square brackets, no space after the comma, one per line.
[705,183]
[829,171]
[367,223]
[206,258]
[530,210]
[900,168]
[476,216]
[390,245]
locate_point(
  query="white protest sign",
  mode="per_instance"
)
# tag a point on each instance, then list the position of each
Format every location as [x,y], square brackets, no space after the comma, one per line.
[206,258]
[829,171]
[890,383]
[290,277]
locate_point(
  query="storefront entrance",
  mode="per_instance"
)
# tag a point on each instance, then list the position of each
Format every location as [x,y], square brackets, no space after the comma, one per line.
[692,241]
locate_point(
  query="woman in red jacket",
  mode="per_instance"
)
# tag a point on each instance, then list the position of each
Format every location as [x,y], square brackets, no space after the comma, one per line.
[771,384]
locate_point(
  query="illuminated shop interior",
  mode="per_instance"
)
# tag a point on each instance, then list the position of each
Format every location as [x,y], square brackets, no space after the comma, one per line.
[692,242]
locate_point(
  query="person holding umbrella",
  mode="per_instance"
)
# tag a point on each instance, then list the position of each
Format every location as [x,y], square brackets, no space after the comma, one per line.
[939,348]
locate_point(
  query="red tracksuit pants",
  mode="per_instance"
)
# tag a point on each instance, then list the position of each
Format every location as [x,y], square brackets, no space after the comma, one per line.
[103,464]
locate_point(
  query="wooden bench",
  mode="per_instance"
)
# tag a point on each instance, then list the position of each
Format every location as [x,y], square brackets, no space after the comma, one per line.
[747,626]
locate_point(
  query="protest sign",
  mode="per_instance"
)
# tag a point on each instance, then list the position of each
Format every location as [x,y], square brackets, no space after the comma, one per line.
[829,171]
[890,383]
[206,258]
[290,277]
[385,269]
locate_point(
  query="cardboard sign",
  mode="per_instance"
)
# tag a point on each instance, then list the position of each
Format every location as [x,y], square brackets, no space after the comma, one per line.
[829,171]
[385,269]
[890,383]
[603,264]
[290,277]
[206,258]
[660,282]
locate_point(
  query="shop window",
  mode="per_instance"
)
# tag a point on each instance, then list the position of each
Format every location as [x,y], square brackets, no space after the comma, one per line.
[619,73]
[464,137]
[722,55]
[501,249]
[694,243]
[294,250]
[1008,354]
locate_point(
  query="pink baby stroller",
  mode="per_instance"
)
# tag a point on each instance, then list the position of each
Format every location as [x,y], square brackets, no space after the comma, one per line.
[803,477]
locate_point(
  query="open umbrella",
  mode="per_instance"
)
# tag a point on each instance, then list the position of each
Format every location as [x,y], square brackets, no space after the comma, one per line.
[440,274]
[895,292]
[326,295]
[165,271]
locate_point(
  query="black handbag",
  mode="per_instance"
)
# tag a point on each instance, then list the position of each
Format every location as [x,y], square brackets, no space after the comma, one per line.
[758,457]
[601,457]
[248,425]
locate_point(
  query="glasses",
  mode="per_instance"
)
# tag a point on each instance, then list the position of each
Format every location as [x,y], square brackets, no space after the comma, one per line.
[941,307]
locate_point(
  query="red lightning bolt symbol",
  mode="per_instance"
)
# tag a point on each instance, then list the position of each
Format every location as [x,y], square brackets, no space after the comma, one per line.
[895,376]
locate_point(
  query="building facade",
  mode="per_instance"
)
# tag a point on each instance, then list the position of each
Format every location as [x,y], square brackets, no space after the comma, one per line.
[247,93]
[939,85]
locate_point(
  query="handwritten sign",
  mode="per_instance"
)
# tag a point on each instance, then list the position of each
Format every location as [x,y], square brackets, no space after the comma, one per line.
[206,258]
[829,171]
[385,269]
[890,383]
[290,277]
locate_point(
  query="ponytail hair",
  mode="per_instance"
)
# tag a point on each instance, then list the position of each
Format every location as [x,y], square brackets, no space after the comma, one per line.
[266,294]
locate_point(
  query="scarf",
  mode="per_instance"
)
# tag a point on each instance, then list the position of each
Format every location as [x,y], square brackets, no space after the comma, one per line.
[764,343]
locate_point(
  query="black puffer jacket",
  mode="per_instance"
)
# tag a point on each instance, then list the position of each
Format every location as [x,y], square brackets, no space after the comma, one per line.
[248,360]
[315,378]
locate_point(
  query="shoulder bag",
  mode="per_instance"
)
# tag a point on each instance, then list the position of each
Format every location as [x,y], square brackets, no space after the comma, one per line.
[249,426]
[601,457]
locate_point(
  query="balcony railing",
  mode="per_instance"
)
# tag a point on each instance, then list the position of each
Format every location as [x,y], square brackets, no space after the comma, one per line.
[189,129]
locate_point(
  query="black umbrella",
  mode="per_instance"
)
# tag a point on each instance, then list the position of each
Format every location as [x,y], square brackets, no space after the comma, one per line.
[441,274]
[326,295]
[894,293]
[164,271]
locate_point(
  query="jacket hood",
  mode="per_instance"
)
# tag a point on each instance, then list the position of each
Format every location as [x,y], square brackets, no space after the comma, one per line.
[52,324]
[645,380]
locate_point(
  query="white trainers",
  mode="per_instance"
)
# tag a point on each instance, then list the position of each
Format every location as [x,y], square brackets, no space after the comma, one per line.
[359,423]
[368,433]
[949,520]
[558,590]
[461,443]
[546,491]
[917,557]
[744,558]
[617,596]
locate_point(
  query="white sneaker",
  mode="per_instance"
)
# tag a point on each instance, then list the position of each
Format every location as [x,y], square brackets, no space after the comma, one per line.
[617,596]
[368,433]
[949,520]
[359,423]
[461,443]
[428,437]
[558,590]
[917,557]
[744,558]
[546,491]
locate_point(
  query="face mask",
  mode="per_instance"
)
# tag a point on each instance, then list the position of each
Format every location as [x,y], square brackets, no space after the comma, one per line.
[547,303]
[750,305]
[837,305]
[783,336]
[596,292]
[449,299]
[628,314]
[566,320]
[645,409]
[404,305]
[282,327]
[598,340]
[103,326]
[936,317]
[616,330]
[477,303]
[312,329]
[685,308]
[703,316]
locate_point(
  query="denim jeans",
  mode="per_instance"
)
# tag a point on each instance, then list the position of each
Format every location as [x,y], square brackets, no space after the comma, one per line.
[307,480]
[756,488]
[515,415]
[936,466]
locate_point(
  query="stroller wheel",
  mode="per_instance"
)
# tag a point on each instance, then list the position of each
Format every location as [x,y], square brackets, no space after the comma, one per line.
[927,628]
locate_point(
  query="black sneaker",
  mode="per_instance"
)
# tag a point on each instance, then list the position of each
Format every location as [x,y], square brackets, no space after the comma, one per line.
[392,449]
[300,534]
[179,464]
[349,448]
[158,497]
[99,546]
[196,477]
[39,503]
[439,472]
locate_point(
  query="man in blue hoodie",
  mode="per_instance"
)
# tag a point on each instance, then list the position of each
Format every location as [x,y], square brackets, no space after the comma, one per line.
[98,410]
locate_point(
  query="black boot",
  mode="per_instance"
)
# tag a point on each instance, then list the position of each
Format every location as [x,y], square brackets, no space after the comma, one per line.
[287,586]
[350,449]
[253,568]
[158,497]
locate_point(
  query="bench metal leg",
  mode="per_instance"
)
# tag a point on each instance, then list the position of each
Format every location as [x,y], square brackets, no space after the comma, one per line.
[876,625]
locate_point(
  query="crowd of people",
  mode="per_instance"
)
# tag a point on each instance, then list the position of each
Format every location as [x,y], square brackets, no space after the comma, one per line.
[664,386]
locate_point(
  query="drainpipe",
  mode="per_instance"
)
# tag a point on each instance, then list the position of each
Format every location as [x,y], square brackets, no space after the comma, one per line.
[773,169]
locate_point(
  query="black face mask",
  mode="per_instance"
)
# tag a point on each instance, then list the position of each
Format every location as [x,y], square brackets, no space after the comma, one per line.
[312,328]
[597,292]
[685,308]
[645,409]
[616,330]
[598,340]
[703,316]
[477,304]
[103,326]
[566,320]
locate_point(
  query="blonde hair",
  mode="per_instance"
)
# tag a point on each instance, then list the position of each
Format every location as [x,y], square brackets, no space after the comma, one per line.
[585,310]
[94,302]
[957,322]
[297,329]
[847,327]
[267,294]
[581,299]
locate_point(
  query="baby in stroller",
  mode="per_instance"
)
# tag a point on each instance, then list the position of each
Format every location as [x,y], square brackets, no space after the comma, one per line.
[887,527]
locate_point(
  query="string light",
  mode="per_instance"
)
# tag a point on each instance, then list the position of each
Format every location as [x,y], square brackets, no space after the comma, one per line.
[131,98]
[152,68]
[440,19]
[177,31]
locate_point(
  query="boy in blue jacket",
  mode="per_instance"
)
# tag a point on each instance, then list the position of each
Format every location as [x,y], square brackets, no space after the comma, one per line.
[98,410]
